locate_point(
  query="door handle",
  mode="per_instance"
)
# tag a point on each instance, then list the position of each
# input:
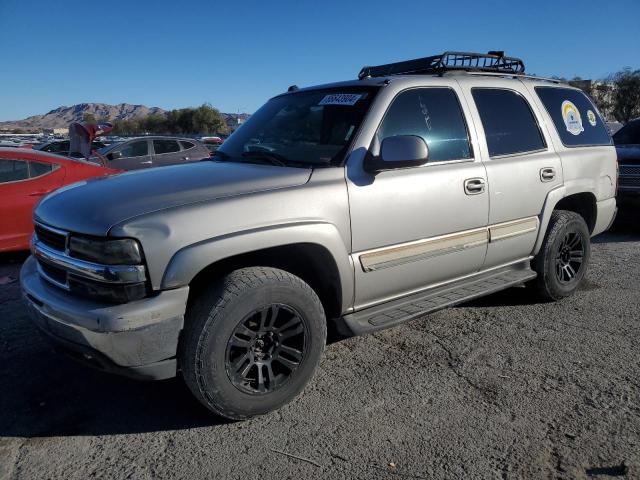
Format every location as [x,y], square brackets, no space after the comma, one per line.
[474,186]
[547,174]
[39,193]
[148,162]
[186,159]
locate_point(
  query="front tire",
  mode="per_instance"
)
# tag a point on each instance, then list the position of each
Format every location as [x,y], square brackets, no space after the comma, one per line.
[252,341]
[564,256]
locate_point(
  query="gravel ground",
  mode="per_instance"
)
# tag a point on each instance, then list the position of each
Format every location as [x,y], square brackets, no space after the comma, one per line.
[503,387]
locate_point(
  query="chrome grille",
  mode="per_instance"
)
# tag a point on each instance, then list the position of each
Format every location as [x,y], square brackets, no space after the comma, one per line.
[629,169]
[52,238]
[54,274]
[629,181]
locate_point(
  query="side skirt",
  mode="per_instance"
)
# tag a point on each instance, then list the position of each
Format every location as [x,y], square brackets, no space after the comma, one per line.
[407,308]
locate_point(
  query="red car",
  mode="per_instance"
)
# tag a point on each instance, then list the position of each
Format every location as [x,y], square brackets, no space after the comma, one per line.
[25,177]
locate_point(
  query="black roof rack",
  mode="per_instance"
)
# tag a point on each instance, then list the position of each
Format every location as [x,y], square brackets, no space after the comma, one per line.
[493,61]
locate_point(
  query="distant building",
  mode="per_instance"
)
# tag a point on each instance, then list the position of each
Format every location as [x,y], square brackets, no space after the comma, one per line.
[55,131]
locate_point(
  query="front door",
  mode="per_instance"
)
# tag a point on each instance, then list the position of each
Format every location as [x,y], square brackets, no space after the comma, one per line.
[416,227]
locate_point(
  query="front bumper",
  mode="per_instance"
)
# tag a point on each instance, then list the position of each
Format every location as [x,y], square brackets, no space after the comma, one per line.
[137,339]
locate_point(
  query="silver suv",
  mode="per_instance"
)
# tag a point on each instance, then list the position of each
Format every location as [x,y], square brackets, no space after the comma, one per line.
[353,206]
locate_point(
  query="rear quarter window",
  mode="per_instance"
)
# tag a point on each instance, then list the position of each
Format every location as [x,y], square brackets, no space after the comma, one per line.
[37,169]
[577,121]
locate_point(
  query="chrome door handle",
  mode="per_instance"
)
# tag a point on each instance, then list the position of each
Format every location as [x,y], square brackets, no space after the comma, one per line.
[547,174]
[474,186]
[186,159]
[148,162]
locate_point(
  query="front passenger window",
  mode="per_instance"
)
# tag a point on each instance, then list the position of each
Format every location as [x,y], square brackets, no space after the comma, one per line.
[433,114]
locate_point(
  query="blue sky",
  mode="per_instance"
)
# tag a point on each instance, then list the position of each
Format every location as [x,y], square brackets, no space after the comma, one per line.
[236,54]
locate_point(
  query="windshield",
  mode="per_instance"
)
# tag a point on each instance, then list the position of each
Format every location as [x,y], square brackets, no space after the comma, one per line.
[301,129]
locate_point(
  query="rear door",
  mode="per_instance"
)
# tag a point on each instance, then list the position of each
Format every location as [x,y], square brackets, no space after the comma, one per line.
[191,151]
[166,151]
[22,184]
[522,166]
[131,155]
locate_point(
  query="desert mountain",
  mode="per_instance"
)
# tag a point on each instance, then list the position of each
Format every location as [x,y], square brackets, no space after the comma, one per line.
[61,117]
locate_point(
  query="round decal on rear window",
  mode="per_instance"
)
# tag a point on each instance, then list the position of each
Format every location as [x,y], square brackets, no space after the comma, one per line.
[591,117]
[572,118]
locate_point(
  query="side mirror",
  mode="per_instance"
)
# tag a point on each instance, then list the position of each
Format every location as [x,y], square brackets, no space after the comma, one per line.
[401,151]
[115,155]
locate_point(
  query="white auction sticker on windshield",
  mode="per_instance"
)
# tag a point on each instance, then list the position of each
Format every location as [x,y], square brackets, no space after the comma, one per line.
[340,99]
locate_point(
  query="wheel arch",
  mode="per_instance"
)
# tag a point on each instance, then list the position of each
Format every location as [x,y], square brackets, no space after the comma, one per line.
[315,253]
[584,203]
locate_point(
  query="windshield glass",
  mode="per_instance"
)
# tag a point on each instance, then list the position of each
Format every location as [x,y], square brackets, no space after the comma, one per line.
[301,129]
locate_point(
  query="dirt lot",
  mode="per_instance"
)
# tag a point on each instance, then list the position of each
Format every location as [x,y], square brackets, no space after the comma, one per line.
[503,387]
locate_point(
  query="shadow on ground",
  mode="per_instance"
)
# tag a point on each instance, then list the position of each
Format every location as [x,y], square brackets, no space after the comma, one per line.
[45,394]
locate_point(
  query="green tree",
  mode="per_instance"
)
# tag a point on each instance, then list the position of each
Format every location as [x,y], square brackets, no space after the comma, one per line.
[185,120]
[207,119]
[155,124]
[625,97]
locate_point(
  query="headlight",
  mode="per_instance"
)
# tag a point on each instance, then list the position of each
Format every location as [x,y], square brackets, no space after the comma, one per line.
[124,251]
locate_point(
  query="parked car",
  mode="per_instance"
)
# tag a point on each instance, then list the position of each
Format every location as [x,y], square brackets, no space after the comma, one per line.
[356,205]
[212,143]
[61,147]
[147,152]
[627,141]
[25,177]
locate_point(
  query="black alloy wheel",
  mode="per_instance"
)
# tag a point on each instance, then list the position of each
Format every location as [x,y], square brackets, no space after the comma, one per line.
[563,258]
[570,257]
[265,349]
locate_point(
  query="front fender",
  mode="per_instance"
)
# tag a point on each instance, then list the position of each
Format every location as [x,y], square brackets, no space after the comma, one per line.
[189,261]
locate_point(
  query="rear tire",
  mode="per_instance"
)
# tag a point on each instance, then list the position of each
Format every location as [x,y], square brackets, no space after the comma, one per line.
[564,256]
[252,341]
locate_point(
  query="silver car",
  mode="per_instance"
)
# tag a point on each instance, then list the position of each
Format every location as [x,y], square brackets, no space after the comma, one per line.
[353,206]
[147,152]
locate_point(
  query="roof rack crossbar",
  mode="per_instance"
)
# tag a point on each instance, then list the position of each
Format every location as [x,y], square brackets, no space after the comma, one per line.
[493,61]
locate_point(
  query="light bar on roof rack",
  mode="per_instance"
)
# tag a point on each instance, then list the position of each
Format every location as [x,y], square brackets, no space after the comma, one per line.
[493,61]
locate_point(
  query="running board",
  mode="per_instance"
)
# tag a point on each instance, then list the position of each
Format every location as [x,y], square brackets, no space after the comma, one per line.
[407,308]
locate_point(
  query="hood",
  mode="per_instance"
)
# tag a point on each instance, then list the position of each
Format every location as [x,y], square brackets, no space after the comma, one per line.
[92,207]
[628,154]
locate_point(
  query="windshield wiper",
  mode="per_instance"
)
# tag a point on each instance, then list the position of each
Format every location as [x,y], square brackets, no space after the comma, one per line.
[273,158]
[217,155]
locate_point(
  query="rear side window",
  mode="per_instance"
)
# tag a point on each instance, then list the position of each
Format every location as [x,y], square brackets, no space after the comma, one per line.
[576,119]
[187,145]
[433,114]
[13,170]
[38,169]
[165,146]
[508,122]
